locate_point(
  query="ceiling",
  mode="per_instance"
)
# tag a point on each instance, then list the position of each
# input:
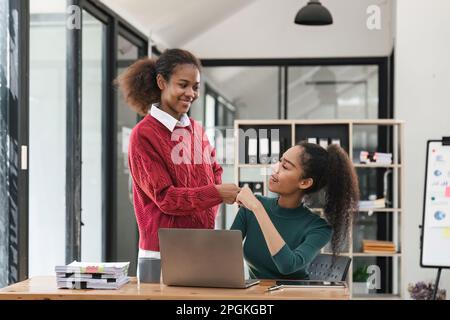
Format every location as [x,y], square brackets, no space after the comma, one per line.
[259,28]
[176,22]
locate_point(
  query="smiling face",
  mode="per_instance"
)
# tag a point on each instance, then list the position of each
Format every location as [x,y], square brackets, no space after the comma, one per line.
[180,91]
[286,178]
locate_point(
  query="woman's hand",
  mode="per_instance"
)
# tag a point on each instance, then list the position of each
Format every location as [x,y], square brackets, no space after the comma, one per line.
[248,199]
[228,192]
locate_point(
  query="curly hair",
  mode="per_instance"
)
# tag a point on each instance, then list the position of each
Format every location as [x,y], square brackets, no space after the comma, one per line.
[332,169]
[138,81]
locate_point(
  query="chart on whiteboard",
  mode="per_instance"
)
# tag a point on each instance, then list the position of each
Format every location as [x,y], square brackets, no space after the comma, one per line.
[436,239]
[439,188]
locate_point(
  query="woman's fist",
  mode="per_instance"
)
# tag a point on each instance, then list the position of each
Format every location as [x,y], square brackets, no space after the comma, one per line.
[228,192]
[248,199]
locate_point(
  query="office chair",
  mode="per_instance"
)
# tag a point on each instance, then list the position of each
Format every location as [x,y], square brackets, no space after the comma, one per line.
[322,268]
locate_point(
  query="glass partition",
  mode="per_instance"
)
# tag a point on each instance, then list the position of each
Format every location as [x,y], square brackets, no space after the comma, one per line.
[47,149]
[93,88]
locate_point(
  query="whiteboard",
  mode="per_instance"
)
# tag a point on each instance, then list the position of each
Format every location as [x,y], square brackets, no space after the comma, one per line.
[435,250]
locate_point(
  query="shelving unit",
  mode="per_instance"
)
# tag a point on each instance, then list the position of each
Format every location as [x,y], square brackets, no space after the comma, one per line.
[349,132]
[358,165]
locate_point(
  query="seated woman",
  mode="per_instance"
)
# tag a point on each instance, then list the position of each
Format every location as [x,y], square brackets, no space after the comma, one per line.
[282,235]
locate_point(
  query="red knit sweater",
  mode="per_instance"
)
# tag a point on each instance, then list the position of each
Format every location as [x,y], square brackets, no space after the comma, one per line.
[167,194]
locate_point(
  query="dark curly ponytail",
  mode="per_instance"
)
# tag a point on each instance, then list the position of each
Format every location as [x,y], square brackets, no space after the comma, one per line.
[333,170]
[138,82]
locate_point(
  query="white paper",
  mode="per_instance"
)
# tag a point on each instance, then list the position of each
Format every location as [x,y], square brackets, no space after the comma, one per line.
[252,147]
[336,141]
[323,143]
[264,146]
[312,140]
[275,147]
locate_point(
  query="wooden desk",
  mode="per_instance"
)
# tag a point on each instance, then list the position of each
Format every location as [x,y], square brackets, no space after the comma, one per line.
[44,288]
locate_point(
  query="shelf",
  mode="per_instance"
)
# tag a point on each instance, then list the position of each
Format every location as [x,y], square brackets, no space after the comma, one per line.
[356,165]
[381,122]
[379,254]
[380,210]
[375,165]
[377,296]
[346,254]
[258,165]
[384,210]
[386,122]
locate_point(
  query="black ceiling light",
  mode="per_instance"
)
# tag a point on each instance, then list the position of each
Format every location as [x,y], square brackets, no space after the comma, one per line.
[314,14]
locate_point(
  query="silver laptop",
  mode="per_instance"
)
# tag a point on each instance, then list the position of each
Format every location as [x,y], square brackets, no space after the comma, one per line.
[203,258]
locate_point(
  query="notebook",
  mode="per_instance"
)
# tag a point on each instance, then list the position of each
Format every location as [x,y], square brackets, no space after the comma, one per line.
[94,267]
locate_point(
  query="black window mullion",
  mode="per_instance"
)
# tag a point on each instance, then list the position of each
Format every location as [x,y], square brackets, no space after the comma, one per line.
[94,11]
[23,109]
[109,147]
[108,75]
[279,90]
[131,37]
[286,82]
[73,141]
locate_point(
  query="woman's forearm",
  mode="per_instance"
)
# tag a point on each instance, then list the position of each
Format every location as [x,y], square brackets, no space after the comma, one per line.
[273,238]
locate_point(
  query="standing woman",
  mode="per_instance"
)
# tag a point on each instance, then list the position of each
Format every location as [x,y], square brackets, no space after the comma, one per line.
[282,235]
[170,189]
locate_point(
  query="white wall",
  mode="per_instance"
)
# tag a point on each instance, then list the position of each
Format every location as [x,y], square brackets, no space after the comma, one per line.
[422,99]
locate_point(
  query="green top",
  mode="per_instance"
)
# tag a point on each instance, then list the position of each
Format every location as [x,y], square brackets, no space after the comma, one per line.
[304,232]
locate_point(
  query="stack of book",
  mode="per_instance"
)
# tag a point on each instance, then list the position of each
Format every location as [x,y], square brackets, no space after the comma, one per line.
[382,158]
[84,275]
[372,204]
[375,157]
[375,246]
